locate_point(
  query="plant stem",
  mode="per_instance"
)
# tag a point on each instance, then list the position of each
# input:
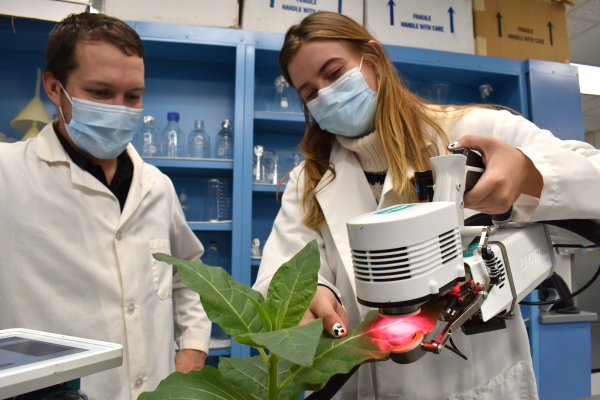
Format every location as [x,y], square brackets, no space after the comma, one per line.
[273,389]
[264,356]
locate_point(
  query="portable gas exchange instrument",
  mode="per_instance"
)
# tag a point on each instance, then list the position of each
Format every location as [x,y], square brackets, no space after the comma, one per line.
[407,255]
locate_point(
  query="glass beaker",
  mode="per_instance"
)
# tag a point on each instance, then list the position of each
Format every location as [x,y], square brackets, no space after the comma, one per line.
[185,206]
[259,103]
[273,168]
[212,200]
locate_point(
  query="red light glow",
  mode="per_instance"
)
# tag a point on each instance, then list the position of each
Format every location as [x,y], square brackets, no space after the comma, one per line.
[394,333]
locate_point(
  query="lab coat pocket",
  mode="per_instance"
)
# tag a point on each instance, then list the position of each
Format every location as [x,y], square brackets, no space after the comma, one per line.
[162,272]
[509,385]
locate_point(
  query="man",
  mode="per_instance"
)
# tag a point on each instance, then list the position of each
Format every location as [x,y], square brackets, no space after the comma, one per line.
[81,215]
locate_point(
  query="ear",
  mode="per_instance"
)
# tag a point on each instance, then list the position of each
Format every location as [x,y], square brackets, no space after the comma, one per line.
[52,88]
[377,46]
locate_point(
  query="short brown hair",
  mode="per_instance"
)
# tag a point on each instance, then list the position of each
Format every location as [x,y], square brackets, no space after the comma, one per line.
[60,50]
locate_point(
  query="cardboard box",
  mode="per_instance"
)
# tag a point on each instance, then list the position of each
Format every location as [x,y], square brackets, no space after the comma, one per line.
[47,10]
[521,29]
[220,13]
[431,24]
[279,15]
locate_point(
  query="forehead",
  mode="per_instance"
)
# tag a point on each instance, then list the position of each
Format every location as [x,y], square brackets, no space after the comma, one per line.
[311,57]
[103,58]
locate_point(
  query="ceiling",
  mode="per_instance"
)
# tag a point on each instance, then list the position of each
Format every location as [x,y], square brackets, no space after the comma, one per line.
[583,22]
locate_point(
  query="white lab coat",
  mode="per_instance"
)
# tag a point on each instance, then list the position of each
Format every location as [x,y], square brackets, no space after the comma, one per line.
[499,365]
[71,263]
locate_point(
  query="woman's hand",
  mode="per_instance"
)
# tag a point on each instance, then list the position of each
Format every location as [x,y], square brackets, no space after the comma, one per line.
[324,305]
[508,173]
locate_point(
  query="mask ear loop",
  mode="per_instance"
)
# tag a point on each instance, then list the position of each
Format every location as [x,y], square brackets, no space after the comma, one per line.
[360,66]
[60,108]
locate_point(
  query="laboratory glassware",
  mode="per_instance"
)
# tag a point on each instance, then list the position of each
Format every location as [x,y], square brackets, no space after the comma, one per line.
[212,254]
[282,102]
[258,165]
[224,200]
[486,93]
[273,168]
[259,103]
[296,159]
[438,92]
[173,138]
[225,141]
[212,200]
[198,141]
[185,206]
[147,138]
[255,251]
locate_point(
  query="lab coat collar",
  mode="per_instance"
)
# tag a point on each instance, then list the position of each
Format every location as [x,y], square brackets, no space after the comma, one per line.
[345,197]
[50,150]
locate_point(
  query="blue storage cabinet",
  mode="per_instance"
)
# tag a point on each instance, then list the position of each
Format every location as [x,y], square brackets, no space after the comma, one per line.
[211,74]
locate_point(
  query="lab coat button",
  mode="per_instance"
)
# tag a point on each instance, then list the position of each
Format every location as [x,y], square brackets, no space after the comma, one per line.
[363,392]
[138,382]
[119,235]
[131,308]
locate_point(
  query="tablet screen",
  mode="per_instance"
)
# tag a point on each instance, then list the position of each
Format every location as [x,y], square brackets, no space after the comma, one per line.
[16,351]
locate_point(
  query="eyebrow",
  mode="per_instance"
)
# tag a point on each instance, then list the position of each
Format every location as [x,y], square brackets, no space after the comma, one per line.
[321,70]
[108,85]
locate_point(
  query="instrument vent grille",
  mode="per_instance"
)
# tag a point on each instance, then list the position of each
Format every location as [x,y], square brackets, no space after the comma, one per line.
[405,262]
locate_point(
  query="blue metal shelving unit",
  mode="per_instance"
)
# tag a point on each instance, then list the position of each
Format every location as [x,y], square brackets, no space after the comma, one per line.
[211,74]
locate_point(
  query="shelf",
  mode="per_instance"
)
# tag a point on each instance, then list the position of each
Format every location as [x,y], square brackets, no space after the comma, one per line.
[210,226]
[267,122]
[192,166]
[226,351]
[255,262]
[267,190]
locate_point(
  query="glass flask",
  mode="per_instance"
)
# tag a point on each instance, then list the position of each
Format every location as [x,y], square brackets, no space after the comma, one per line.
[258,165]
[212,200]
[147,139]
[255,251]
[225,141]
[173,138]
[185,206]
[198,141]
[282,102]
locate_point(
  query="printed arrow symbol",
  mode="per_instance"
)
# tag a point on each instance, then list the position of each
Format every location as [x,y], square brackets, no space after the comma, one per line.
[391,4]
[339,6]
[550,29]
[272,3]
[499,16]
[451,12]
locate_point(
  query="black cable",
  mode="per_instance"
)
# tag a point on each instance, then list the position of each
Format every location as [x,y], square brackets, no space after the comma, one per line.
[456,348]
[587,229]
[455,351]
[333,385]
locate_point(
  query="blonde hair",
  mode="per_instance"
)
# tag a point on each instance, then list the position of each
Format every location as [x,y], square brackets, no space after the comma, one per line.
[401,120]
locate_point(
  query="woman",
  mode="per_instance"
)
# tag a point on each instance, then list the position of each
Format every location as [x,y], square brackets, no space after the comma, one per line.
[366,136]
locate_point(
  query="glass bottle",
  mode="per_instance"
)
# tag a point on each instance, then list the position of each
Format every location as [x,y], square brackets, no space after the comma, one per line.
[185,205]
[225,141]
[224,201]
[282,96]
[147,139]
[173,138]
[198,141]
[212,254]
[212,203]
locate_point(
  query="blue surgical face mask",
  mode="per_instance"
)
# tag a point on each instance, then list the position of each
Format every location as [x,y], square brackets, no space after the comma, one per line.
[101,130]
[347,106]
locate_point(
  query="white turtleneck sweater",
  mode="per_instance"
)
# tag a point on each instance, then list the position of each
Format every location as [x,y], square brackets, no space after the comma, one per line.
[371,156]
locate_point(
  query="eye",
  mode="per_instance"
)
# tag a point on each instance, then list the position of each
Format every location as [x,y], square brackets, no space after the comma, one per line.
[134,97]
[98,93]
[335,73]
[311,96]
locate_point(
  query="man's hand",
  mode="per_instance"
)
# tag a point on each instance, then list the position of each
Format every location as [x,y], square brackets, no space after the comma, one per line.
[189,360]
[508,173]
[324,305]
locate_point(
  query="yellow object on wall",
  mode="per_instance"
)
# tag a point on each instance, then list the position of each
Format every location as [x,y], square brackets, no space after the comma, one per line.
[34,112]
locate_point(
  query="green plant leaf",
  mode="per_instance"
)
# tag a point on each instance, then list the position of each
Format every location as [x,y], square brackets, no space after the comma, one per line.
[252,375]
[296,279]
[374,338]
[264,316]
[232,310]
[206,384]
[297,344]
